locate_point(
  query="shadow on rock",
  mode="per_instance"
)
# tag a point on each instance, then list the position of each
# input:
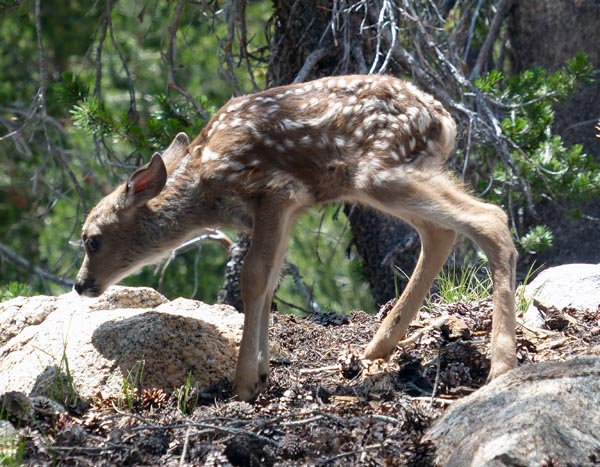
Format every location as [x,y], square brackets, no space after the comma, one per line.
[159,350]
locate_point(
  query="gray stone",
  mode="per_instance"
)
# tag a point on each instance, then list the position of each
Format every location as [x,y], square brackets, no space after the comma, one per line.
[576,285]
[527,417]
[8,435]
[49,344]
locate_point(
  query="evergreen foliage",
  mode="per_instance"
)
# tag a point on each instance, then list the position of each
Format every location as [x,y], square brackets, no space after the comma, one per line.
[552,170]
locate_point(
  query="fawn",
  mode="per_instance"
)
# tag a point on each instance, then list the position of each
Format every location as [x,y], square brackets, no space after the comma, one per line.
[265,158]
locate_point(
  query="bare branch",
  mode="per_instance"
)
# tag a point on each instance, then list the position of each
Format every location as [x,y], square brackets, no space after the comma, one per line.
[485,120]
[41,104]
[130,86]
[170,59]
[293,270]
[471,32]
[419,333]
[226,45]
[245,55]
[309,64]
[386,10]
[23,263]
[102,27]
[210,235]
[486,48]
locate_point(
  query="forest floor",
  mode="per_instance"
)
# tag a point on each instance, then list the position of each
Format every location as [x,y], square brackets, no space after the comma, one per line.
[324,406]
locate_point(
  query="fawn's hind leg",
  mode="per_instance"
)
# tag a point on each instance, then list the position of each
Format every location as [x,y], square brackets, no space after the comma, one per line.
[438,206]
[436,244]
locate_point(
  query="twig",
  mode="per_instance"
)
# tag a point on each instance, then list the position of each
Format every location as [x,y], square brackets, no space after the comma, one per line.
[245,55]
[471,32]
[43,71]
[377,417]
[291,305]
[391,37]
[304,421]
[323,369]
[293,271]
[417,334]
[437,377]
[210,235]
[185,446]
[130,85]
[368,448]
[430,399]
[103,27]
[489,124]
[234,431]
[227,46]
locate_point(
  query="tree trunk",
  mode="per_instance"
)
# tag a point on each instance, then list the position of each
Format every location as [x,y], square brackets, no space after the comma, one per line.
[547,33]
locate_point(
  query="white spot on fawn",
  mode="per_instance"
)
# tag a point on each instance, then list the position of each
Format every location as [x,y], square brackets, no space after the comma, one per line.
[306,140]
[209,155]
[212,129]
[382,144]
[236,106]
[288,124]
[341,142]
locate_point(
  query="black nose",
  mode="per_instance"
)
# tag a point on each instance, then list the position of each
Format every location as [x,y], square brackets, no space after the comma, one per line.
[79,287]
[86,287]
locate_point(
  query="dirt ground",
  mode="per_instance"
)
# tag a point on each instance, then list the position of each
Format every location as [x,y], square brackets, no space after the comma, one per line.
[324,406]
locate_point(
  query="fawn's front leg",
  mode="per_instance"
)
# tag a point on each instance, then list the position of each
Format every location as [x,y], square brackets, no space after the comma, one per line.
[272,225]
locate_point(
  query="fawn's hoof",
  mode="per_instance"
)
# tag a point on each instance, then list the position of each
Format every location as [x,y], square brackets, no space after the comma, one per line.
[246,392]
[500,369]
[377,350]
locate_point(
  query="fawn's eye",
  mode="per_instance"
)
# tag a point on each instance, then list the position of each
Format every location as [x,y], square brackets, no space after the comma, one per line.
[91,244]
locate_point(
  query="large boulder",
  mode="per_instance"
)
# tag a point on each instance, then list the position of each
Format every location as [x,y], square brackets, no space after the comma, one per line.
[128,334]
[537,415]
[569,285]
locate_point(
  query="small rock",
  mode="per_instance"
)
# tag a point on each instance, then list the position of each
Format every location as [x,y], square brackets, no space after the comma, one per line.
[16,407]
[7,431]
[575,285]
[456,328]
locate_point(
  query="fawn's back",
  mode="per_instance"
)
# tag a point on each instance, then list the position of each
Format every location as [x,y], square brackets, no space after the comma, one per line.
[328,139]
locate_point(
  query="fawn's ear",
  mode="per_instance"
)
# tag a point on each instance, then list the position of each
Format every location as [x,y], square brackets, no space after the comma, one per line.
[176,149]
[146,182]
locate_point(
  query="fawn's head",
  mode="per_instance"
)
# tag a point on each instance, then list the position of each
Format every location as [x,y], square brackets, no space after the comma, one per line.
[117,235]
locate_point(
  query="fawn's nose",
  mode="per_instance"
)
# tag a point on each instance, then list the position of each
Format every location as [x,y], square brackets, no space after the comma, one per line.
[78,287]
[86,287]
